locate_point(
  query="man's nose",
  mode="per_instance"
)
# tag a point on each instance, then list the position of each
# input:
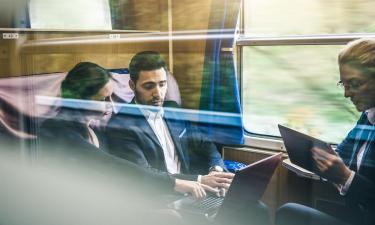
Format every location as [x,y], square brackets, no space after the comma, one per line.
[157,92]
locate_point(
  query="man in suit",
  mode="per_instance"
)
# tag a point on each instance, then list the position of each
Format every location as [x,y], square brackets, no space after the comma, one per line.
[352,167]
[154,137]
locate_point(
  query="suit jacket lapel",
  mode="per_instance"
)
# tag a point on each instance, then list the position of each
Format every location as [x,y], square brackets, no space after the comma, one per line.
[362,136]
[146,128]
[141,121]
[356,147]
[367,160]
[175,129]
[76,133]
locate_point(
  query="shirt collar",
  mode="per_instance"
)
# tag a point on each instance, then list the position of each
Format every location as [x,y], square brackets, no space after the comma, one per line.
[371,115]
[151,112]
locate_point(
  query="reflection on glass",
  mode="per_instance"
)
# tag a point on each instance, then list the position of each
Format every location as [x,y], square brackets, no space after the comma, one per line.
[295,86]
[83,14]
[275,17]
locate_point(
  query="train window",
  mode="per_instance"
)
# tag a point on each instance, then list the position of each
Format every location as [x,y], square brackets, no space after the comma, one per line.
[274,17]
[288,64]
[285,85]
[83,14]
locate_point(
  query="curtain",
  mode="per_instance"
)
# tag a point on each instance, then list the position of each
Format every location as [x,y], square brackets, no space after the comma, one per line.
[219,92]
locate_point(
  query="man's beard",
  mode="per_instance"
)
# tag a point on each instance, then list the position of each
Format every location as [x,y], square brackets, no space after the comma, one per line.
[157,102]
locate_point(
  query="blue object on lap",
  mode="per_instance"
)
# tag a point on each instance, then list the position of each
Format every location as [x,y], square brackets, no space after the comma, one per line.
[233,166]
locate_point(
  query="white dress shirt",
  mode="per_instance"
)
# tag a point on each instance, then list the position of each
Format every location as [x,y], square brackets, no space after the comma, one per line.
[93,139]
[160,128]
[344,189]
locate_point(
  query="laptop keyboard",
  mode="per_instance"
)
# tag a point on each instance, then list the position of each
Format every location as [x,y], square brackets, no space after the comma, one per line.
[207,206]
[209,203]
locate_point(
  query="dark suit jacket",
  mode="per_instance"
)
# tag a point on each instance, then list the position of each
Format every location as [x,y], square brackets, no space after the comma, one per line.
[361,194]
[131,137]
[63,143]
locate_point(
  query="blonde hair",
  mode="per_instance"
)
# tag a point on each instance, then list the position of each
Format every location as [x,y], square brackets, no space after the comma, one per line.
[359,54]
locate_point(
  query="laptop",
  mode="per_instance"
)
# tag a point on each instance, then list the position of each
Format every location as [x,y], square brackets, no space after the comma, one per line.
[248,185]
[298,146]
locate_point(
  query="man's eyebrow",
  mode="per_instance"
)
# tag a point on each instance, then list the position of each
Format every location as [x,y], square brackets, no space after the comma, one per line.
[149,82]
[349,80]
[354,79]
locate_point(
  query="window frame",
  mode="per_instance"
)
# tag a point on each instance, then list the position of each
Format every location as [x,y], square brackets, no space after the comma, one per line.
[264,141]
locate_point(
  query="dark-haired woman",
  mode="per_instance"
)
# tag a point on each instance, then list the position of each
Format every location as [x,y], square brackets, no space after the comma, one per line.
[90,85]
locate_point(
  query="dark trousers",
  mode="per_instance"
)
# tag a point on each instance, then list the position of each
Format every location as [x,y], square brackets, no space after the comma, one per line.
[254,213]
[296,214]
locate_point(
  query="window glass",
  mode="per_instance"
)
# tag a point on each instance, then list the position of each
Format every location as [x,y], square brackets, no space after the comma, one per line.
[73,14]
[295,86]
[302,17]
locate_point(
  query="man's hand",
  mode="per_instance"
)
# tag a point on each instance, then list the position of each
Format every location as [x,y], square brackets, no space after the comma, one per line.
[218,180]
[331,166]
[196,189]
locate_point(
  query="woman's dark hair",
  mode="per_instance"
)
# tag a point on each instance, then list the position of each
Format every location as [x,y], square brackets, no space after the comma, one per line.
[84,81]
[145,61]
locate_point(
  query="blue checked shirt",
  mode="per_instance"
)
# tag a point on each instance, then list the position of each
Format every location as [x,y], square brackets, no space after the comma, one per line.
[358,143]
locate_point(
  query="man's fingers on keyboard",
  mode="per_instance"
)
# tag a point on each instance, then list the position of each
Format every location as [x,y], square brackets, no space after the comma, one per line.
[224,185]
[223,191]
[210,189]
[224,180]
[225,175]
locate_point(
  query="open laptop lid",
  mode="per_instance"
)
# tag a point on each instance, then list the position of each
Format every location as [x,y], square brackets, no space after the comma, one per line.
[250,183]
[298,146]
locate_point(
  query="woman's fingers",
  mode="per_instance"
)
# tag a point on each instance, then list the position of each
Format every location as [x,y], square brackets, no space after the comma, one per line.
[199,191]
[202,192]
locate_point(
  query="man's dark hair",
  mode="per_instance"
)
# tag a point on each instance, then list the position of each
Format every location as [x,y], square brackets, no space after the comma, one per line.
[84,81]
[145,61]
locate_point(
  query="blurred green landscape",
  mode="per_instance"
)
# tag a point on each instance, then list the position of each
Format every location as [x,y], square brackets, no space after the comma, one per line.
[296,85]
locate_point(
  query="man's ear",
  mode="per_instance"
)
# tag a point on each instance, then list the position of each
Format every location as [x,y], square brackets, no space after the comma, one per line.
[132,85]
